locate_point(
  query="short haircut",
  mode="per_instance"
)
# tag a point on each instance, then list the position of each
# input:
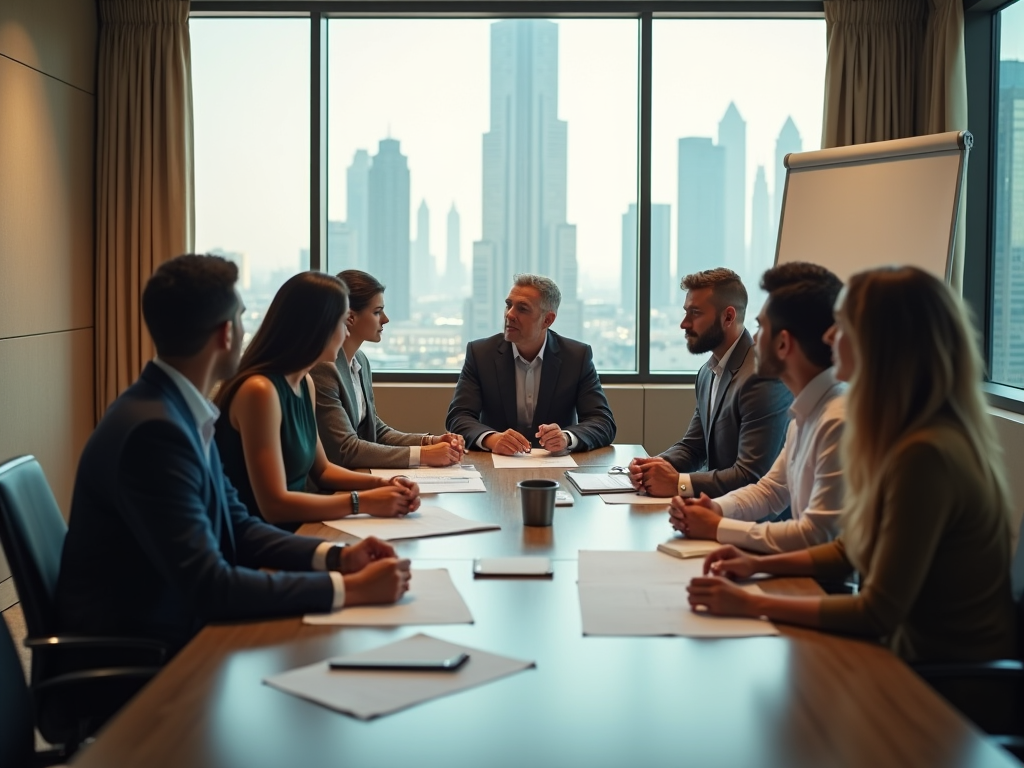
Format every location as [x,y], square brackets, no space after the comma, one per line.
[726,287]
[801,299]
[185,301]
[362,287]
[550,296]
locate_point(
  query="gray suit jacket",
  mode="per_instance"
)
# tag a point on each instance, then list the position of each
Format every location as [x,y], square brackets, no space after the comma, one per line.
[371,443]
[570,393]
[735,441]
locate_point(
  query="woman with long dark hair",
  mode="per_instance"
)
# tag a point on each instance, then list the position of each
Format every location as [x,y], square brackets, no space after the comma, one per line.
[267,433]
[350,429]
[926,518]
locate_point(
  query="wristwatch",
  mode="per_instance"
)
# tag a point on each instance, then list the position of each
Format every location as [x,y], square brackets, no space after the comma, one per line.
[333,558]
[355,502]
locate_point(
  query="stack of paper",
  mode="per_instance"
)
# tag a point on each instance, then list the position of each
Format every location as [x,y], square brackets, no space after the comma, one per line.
[424,522]
[644,593]
[439,479]
[639,499]
[371,693]
[681,547]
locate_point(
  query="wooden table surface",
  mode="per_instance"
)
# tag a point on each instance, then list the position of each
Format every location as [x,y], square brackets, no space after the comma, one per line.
[800,699]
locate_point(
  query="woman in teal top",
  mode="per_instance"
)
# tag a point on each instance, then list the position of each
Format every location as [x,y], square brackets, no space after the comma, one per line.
[267,433]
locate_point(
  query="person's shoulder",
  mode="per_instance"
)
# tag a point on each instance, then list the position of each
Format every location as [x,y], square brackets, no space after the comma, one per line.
[257,390]
[487,344]
[324,372]
[566,344]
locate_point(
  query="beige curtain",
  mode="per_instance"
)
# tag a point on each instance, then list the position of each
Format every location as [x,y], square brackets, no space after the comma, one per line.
[896,69]
[144,173]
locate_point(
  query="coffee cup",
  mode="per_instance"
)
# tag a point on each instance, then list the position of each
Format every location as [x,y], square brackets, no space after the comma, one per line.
[538,499]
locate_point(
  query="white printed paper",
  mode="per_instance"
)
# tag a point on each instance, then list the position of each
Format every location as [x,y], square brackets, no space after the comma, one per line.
[424,522]
[432,599]
[538,458]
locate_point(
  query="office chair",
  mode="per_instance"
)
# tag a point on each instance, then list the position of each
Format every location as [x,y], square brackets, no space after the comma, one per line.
[991,693]
[70,703]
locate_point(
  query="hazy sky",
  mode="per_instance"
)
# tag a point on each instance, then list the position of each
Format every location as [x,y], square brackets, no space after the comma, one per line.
[426,83]
[1011,44]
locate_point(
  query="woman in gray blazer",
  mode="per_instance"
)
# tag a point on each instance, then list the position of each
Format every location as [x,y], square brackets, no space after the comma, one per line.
[350,430]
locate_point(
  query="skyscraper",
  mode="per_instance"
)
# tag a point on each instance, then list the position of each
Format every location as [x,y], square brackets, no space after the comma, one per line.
[627,274]
[701,206]
[1008,261]
[732,137]
[661,247]
[788,141]
[454,277]
[762,234]
[388,225]
[341,247]
[524,226]
[358,209]
[423,271]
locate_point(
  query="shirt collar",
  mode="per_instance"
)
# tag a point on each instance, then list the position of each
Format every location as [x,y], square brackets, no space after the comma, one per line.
[540,354]
[202,410]
[718,366]
[809,397]
[354,366]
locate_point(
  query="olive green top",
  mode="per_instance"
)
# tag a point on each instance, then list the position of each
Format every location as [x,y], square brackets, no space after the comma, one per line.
[298,443]
[938,585]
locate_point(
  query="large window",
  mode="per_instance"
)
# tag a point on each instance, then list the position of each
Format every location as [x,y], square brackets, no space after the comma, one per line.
[1007,331]
[250,91]
[457,152]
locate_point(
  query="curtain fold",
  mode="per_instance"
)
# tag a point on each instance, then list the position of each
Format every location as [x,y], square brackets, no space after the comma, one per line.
[895,69]
[145,210]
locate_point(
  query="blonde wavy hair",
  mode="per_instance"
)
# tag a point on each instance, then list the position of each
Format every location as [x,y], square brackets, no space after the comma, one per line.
[915,357]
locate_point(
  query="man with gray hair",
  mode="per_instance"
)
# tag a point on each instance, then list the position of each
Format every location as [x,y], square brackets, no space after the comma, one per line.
[530,387]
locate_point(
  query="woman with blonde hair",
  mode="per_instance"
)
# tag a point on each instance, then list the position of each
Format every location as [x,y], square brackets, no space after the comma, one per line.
[926,518]
[267,433]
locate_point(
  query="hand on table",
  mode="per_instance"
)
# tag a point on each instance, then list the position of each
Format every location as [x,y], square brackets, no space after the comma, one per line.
[506,443]
[552,438]
[722,597]
[357,556]
[381,581]
[456,441]
[731,562]
[397,497]
[440,454]
[655,476]
[697,518]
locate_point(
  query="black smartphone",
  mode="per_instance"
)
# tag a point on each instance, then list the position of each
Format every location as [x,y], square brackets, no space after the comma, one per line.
[409,665]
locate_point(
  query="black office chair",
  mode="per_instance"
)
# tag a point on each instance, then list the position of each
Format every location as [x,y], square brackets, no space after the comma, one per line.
[72,698]
[991,694]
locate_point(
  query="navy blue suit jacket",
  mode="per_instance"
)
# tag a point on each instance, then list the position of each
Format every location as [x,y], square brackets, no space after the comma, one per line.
[158,543]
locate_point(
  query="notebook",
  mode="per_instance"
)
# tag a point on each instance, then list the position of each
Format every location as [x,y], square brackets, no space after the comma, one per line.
[599,482]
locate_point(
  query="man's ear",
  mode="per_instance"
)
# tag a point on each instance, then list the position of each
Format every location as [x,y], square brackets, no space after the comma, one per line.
[225,334]
[729,315]
[784,344]
[549,318]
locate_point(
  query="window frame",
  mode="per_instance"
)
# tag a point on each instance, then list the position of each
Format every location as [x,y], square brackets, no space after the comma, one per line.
[318,12]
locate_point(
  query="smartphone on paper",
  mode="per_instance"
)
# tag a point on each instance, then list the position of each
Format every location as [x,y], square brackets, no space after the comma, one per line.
[409,665]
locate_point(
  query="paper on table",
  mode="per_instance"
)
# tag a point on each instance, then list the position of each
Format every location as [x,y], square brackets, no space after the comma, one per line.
[538,458]
[682,547]
[635,498]
[644,593]
[366,694]
[439,479]
[426,521]
[432,599]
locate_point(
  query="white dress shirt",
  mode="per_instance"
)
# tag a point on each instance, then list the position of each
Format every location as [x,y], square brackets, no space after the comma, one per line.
[717,367]
[807,476]
[205,415]
[357,384]
[528,391]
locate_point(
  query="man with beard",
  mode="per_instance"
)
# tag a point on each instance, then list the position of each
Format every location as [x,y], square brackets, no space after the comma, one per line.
[793,344]
[739,425]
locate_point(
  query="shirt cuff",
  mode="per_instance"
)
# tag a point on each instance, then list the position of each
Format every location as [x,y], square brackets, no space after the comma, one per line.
[339,590]
[685,487]
[570,439]
[414,456]
[320,555]
[733,531]
[484,436]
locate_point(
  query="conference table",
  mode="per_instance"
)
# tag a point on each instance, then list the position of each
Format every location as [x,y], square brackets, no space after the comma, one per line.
[802,698]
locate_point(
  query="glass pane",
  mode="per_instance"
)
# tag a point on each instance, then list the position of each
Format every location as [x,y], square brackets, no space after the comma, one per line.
[730,99]
[1008,253]
[250,91]
[479,149]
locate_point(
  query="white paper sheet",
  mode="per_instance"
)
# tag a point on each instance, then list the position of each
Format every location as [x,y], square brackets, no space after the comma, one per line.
[424,522]
[439,479]
[644,593]
[682,547]
[635,498]
[432,599]
[366,694]
[538,458]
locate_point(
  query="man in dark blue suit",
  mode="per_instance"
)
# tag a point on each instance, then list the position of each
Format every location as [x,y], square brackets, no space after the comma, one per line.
[530,387]
[158,543]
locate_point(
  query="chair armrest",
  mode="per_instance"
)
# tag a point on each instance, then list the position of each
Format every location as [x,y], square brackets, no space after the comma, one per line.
[1005,669]
[99,642]
[89,676]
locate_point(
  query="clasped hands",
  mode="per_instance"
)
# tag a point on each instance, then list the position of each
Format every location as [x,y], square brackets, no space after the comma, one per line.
[443,450]
[373,573]
[509,442]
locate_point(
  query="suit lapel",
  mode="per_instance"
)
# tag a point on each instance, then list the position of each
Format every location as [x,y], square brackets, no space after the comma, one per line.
[703,404]
[733,364]
[549,372]
[505,370]
[222,528]
[348,393]
[367,386]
